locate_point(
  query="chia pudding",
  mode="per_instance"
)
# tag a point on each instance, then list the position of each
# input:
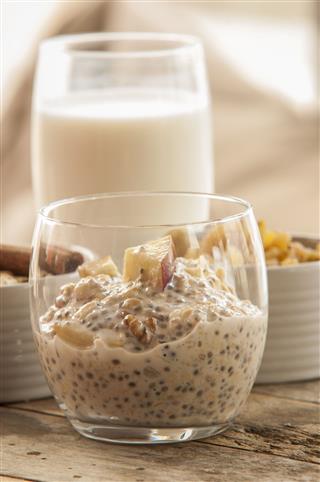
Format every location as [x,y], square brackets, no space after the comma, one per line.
[159,346]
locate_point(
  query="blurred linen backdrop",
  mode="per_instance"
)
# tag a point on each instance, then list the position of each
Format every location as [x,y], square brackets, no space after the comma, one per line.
[262,66]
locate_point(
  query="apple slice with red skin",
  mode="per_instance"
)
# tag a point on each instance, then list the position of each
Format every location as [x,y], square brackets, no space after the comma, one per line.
[152,262]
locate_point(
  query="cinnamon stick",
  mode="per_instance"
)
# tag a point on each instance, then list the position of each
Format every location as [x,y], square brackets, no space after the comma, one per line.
[57,260]
[15,259]
[52,259]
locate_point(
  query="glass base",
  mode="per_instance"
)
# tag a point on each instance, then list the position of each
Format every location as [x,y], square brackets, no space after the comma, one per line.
[144,435]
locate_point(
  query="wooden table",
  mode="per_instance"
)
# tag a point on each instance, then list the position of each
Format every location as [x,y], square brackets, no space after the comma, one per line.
[276,438]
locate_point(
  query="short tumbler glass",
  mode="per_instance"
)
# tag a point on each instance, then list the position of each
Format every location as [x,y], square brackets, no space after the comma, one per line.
[157,344]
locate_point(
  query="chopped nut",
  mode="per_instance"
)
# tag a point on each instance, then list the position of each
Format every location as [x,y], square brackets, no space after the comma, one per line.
[60,301]
[143,331]
[84,311]
[74,335]
[99,266]
[49,314]
[151,324]
[131,304]
[67,290]
[87,288]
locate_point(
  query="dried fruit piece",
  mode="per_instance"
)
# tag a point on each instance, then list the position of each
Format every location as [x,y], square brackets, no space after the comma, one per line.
[289,262]
[266,236]
[275,253]
[151,262]
[103,265]
[273,238]
[281,241]
[74,335]
[280,249]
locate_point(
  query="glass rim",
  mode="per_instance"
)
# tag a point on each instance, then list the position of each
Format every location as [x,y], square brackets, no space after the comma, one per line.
[45,211]
[60,43]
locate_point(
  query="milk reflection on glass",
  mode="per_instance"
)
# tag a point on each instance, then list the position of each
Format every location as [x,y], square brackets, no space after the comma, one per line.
[121,112]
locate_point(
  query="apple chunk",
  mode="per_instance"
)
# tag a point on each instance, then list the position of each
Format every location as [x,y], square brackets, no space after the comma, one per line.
[98,266]
[185,241]
[153,262]
[181,241]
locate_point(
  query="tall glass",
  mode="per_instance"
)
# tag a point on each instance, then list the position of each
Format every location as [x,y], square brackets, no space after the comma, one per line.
[149,332]
[120,112]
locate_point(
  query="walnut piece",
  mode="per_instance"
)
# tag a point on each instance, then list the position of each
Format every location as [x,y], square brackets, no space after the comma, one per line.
[142,330]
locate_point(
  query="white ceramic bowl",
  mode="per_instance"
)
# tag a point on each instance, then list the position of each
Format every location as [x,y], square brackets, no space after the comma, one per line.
[292,351]
[20,373]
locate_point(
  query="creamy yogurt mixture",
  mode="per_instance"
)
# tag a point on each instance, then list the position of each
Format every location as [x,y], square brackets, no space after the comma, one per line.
[129,354]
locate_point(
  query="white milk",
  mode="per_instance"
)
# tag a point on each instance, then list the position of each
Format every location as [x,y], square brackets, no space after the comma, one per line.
[128,142]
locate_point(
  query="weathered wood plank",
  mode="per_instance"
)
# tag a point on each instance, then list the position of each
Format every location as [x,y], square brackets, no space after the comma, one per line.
[46,448]
[267,425]
[5,478]
[305,391]
[46,405]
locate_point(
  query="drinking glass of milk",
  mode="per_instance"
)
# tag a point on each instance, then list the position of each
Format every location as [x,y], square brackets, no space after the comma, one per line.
[120,112]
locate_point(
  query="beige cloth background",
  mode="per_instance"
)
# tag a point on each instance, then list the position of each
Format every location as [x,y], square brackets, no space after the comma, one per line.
[265,149]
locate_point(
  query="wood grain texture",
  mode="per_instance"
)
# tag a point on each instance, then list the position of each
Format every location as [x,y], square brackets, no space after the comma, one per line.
[5,478]
[266,425]
[306,391]
[48,449]
[276,438]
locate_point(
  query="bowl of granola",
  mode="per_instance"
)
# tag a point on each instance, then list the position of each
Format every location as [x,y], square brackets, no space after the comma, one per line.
[292,346]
